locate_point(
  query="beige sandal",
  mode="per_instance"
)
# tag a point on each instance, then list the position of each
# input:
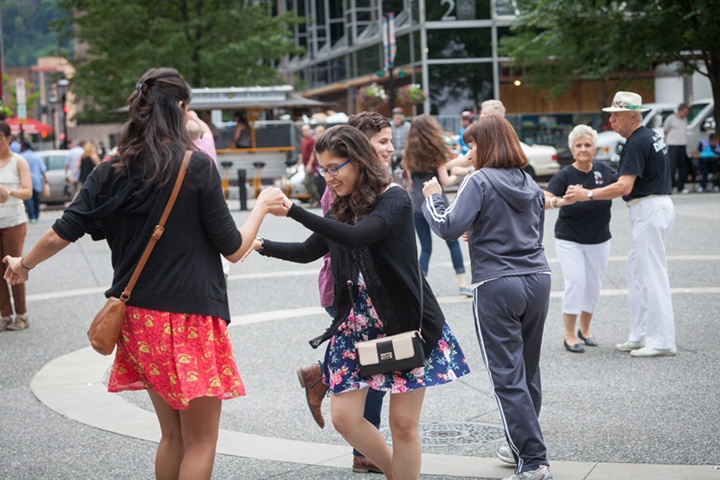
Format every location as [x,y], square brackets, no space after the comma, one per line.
[4,322]
[20,323]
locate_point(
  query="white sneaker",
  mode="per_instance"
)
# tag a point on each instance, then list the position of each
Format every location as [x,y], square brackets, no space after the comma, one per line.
[541,473]
[716,189]
[629,346]
[699,190]
[653,352]
[684,191]
[505,454]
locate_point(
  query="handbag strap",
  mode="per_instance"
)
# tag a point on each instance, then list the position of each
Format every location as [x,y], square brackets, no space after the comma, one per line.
[422,301]
[159,229]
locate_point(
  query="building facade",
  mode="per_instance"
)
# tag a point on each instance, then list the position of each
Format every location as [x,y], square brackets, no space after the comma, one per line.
[449,47]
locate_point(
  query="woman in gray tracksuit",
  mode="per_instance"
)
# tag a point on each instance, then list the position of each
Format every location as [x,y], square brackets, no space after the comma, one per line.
[503,210]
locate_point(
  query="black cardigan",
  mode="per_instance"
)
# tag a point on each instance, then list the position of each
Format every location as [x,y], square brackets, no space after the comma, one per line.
[184,273]
[382,247]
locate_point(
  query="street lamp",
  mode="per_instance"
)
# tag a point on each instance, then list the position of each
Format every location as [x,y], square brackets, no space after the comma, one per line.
[53,101]
[62,86]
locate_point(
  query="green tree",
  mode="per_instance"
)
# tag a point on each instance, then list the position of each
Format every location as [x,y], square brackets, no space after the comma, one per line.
[25,31]
[559,41]
[213,43]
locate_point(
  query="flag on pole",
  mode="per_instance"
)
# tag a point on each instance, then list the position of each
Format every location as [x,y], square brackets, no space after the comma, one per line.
[392,45]
[386,44]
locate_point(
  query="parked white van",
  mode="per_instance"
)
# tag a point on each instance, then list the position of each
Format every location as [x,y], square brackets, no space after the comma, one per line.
[701,123]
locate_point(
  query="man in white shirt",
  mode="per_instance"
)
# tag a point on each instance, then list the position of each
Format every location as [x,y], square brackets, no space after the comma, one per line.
[71,161]
[675,128]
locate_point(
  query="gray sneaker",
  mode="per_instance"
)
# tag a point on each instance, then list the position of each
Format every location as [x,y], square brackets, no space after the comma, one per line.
[505,454]
[629,346]
[4,322]
[541,473]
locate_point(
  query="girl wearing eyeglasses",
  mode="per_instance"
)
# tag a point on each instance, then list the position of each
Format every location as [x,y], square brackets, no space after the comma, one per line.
[370,236]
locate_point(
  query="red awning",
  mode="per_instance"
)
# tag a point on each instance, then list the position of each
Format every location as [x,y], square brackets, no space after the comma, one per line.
[29,126]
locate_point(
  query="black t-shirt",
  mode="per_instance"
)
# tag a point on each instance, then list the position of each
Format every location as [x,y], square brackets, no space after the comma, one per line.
[646,155]
[587,223]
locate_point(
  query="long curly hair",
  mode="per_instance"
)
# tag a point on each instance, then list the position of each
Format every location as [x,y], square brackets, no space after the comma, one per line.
[157,124]
[425,150]
[346,142]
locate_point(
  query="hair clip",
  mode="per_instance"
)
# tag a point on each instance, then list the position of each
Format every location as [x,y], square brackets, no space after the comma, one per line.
[141,87]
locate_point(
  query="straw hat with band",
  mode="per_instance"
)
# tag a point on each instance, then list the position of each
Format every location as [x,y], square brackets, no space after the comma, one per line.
[626,102]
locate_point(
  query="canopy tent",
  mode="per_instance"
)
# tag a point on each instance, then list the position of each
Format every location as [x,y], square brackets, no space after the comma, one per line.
[29,126]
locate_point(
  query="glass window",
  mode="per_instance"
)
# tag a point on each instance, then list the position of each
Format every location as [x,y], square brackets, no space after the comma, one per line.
[402,57]
[369,60]
[338,70]
[321,74]
[458,87]
[452,10]
[459,43]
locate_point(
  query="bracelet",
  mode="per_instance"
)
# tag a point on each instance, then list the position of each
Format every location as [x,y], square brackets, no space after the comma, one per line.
[23,265]
[262,244]
[553,201]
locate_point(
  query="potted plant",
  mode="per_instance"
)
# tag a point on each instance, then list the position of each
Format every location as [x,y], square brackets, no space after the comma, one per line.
[411,94]
[372,96]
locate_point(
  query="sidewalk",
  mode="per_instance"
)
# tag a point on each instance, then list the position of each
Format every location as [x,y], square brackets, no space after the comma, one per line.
[605,415]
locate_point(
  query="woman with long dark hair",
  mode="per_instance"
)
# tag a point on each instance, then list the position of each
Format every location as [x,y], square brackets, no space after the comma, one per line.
[174,340]
[377,292]
[424,157]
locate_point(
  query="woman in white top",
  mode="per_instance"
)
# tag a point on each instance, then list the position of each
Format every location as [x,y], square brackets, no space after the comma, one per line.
[15,186]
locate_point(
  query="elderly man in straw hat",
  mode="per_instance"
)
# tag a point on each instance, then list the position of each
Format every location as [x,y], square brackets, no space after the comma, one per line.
[645,184]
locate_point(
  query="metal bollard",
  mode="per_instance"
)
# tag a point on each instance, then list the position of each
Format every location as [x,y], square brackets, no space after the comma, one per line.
[242,179]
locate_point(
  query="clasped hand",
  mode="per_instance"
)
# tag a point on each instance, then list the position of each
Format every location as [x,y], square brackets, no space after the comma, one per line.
[14,273]
[431,187]
[274,201]
[574,193]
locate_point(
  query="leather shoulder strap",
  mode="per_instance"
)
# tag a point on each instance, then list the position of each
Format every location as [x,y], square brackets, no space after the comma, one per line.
[159,228]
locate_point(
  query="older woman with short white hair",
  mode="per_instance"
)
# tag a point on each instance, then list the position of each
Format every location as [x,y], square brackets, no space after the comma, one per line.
[582,235]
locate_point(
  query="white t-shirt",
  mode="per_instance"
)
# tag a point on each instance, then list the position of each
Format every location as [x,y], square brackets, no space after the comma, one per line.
[12,211]
[675,130]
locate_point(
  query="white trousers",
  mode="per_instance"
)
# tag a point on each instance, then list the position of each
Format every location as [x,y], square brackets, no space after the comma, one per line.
[650,305]
[583,270]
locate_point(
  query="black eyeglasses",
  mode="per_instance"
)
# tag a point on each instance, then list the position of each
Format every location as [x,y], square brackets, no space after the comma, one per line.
[333,171]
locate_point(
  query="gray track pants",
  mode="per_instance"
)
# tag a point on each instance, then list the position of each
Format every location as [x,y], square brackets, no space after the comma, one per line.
[509,320]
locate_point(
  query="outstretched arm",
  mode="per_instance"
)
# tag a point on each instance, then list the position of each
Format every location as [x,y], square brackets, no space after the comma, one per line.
[18,268]
[270,200]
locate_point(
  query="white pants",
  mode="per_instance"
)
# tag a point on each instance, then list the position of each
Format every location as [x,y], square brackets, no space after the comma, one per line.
[583,269]
[650,305]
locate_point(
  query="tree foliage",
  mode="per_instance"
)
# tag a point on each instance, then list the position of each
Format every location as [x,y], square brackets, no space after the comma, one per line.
[213,43]
[558,41]
[25,31]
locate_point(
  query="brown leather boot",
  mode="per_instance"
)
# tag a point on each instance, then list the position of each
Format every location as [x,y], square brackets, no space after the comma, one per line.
[361,464]
[311,380]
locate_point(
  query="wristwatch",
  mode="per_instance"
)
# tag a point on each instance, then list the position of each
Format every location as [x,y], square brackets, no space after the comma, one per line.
[590,194]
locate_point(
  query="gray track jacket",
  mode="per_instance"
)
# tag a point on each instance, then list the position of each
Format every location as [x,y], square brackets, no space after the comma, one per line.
[503,211]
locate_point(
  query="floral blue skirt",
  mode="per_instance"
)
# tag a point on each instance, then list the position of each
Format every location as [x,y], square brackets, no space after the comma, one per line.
[445,363]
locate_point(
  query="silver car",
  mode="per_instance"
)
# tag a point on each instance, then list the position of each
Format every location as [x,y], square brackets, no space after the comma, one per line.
[61,190]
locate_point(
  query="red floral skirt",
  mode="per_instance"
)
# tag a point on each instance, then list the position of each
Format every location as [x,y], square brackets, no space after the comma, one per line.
[179,356]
